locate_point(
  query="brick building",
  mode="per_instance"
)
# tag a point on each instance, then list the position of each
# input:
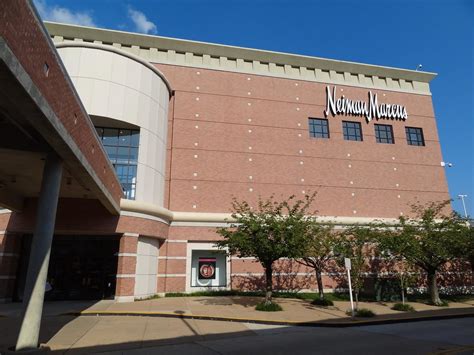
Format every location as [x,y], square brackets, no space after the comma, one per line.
[187,126]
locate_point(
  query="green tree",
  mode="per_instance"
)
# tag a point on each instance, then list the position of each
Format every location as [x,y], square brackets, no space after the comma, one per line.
[405,272]
[466,252]
[357,243]
[428,240]
[318,250]
[269,232]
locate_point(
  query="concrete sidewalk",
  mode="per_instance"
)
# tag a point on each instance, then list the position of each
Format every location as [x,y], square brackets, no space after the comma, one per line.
[237,308]
[74,326]
[295,311]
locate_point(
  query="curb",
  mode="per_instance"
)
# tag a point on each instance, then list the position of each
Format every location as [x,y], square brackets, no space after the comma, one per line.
[329,324]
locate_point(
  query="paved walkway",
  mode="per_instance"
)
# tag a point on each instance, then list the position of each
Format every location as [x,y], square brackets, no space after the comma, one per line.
[63,331]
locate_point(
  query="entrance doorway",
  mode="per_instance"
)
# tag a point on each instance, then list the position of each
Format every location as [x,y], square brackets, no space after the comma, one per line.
[80,267]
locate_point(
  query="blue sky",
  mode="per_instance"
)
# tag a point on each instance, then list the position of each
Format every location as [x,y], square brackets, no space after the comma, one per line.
[437,34]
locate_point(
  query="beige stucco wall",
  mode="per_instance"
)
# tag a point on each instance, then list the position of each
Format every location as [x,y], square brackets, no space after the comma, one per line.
[120,88]
[147,267]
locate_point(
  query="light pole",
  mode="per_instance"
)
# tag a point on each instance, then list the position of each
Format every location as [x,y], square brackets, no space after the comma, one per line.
[461,197]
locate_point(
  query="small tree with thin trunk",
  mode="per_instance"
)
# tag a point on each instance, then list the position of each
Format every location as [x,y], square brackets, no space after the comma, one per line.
[272,231]
[318,250]
[404,271]
[429,240]
[356,243]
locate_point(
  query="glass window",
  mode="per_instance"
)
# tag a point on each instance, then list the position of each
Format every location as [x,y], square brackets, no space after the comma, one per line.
[134,138]
[318,128]
[124,137]
[121,146]
[123,155]
[110,137]
[415,136]
[352,131]
[384,133]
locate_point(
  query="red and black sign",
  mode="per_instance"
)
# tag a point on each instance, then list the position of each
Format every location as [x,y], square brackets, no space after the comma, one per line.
[207,268]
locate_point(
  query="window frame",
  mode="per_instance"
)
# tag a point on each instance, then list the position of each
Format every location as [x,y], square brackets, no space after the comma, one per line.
[123,141]
[346,134]
[312,123]
[420,141]
[378,139]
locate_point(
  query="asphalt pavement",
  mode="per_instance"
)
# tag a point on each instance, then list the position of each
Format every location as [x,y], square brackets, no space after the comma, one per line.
[454,336]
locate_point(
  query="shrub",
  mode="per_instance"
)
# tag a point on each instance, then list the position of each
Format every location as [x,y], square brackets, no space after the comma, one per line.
[322,302]
[362,312]
[152,297]
[271,307]
[403,307]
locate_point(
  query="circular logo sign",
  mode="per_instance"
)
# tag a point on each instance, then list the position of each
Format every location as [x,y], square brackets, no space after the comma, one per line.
[207,271]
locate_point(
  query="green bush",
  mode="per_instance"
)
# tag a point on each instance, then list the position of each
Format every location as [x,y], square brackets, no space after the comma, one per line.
[271,307]
[152,297]
[364,312]
[403,307]
[322,302]
[361,312]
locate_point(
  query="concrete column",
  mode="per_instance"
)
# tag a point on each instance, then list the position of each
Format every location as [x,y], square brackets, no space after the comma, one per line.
[39,256]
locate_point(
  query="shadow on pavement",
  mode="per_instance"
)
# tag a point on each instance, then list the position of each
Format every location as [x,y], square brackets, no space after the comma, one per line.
[52,321]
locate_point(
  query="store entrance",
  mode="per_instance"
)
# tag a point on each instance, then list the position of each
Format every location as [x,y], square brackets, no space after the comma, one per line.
[80,267]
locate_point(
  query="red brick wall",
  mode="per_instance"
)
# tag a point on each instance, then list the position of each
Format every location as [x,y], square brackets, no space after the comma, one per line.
[126,266]
[81,216]
[212,109]
[23,33]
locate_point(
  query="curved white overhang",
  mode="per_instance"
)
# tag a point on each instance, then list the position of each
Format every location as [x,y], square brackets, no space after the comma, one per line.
[119,52]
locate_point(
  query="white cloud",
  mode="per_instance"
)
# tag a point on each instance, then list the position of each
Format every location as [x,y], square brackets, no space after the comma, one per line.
[61,14]
[141,22]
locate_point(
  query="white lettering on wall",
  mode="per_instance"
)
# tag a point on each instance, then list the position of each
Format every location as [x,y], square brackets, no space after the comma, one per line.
[370,110]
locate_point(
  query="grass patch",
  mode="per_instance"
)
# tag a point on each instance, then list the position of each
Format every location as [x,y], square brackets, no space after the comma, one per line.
[403,307]
[202,294]
[322,302]
[271,307]
[152,297]
[425,298]
[301,296]
[442,304]
[361,312]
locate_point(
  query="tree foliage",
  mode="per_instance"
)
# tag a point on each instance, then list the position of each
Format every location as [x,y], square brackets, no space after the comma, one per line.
[357,243]
[428,240]
[271,231]
[318,250]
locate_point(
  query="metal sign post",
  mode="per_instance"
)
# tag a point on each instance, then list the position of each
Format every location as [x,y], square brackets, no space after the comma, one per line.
[347,263]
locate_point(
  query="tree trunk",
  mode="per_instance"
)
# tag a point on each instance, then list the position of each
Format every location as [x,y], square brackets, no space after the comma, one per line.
[356,294]
[402,284]
[269,284]
[433,288]
[319,280]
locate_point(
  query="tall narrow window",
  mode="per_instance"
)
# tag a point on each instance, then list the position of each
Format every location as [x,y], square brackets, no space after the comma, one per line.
[318,128]
[384,133]
[415,136]
[352,131]
[121,146]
